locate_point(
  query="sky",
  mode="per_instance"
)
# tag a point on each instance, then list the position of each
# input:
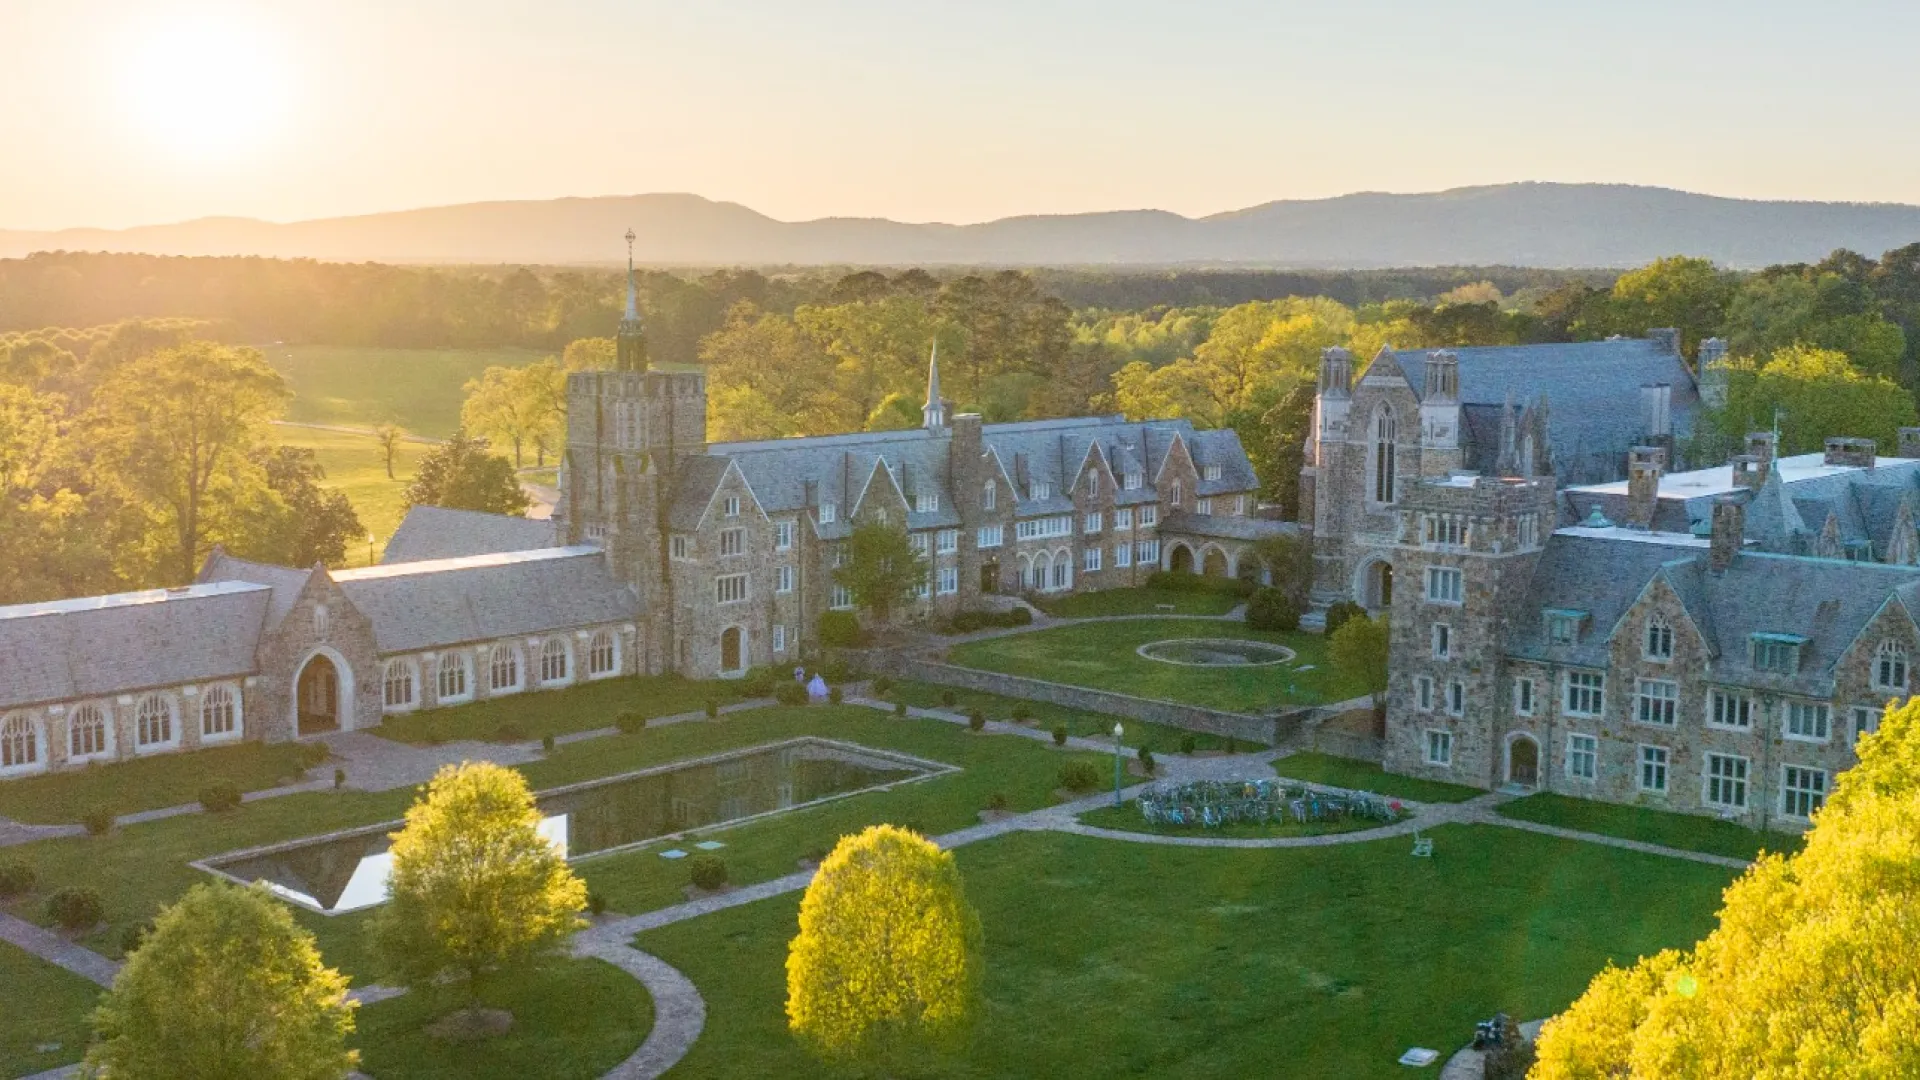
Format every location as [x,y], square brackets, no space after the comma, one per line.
[124,112]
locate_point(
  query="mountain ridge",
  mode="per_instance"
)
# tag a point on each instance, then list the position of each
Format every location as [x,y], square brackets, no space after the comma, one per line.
[1528,223]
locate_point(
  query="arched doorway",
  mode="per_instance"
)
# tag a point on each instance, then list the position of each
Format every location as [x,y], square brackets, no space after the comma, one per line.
[1523,761]
[1215,564]
[1180,559]
[732,650]
[1374,589]
[990,577]
[320,697]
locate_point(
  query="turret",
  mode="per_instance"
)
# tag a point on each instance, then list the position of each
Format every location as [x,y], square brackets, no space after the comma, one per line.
[630,342]
[933,415]
[1440,415]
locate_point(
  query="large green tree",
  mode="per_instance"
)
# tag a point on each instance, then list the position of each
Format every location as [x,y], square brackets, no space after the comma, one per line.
[226,987]
[517,406]
[1810,393]
[881,570]
[1689,294]
[295,520]
[463,475]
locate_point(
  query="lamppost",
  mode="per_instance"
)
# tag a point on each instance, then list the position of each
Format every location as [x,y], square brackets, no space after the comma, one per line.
[369,549]
[1117,732]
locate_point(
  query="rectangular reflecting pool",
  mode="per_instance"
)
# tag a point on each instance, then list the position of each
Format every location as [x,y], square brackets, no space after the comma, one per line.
[347,871]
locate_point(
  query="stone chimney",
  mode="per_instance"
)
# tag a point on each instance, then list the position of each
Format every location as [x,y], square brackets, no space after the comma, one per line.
[1644,466]
[1711,378]
[1749,472]
[1729,532]
[1666,339]
[1910,442]
[1847,450]
[1656,410]
[1765,446]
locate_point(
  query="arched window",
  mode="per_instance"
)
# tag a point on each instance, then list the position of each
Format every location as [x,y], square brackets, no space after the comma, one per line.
[1890,667]
[397,684]
[503,673]
[453,676]
[87,732]
[19,744]
[219,713]
[1382,464]
[1659,639]
[1062,569]
[1041,570]
[153,721]
[601,657]
[553,661]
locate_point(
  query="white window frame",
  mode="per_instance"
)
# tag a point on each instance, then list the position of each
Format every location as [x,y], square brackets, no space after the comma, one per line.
[946,541]
[1441,637]
[1090,559]
[214,699]
[1440,748]
[1722,702]
[949,581]
[829,513]
[841,598]
[989,536]
[1091,524]
[990,496]
[1149,515]
[1653,760]
[1817,715]
[1583,757]
[141,720]
[399,686]
[779,638]
[1203,505]
[927,502]
[783,579]
[1446,585]
[1724,781]
[1524,695]
[1658,643]
[548,654]
[731,507]
[680,547]
[75,721]
[507,657]
[1803,789]
[1179,494]
[1210,472]
[1123,517]
[1656,702]
[449,666]
[1132,479]
[1586,688]
[1890,668]
[1122,555]
[783,536]
[1423,692]
[1863,720]
[603,654]
[1147,552]
[1456,698]
[1039,489]
[1239,506]
[22,744]
[733,542]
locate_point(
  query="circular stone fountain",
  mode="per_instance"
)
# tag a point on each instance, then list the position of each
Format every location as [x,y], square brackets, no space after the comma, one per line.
[1215,652]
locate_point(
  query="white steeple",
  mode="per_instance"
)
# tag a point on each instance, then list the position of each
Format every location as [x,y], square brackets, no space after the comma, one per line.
[933,415]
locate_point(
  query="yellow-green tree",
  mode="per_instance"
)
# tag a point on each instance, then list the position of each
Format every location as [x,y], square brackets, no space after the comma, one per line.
[227,987]
[1813,393]
[518,406]
[1359,651]
[475,888]
[887,961]
[1813,970]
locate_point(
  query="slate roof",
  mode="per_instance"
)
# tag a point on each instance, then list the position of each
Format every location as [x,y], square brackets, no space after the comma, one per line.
[436,532]
[1597,573]
[1224,526]
[431,604]
[284,581]
[102,645]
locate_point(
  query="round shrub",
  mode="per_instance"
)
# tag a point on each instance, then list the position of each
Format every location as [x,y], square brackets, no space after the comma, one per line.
[1146,760]
[834,695]
[881,686]
[997,802]
[791,694]
[596,904]
[1059,734]
[16,877]
[840,629]
[98,821]
[339,779]
[135,936]
[220,796]
[1338,614]
[631,722]
[1188,743]
[759,682]
[947,698]
[712,708]
[546,743]
[1022,712]
[707,870]
[1079,775]
[1272,609]
[899,708]
[976,719]
[75,908]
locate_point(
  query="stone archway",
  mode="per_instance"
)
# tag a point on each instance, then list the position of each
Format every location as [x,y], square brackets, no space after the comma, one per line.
[733,650]
[1180,559]
[1214,562]
[1523,761]
[1373,584]
[323,695]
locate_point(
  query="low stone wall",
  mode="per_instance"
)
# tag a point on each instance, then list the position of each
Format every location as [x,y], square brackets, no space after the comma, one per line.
[1271,731]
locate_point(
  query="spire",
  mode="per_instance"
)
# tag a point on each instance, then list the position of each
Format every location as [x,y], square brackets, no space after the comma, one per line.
[933,415]
[630,344]
[633,301]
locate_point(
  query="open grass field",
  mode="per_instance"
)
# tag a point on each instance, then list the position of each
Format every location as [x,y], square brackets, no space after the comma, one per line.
[146,783]
[1159,738]
[1686,831]
[45,1007]
[1107,958]
[1101,655]
[1330,771]
[356,465]
[1140,601]
[419,389]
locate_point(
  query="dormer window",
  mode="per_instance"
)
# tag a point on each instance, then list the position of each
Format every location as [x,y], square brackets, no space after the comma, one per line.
[1659,640]
[1131,481]
[732,506]
[927,502]
[1890,667]
[1563,625]
[829,513]
[1039,489]
[1778,653]
[1211,472]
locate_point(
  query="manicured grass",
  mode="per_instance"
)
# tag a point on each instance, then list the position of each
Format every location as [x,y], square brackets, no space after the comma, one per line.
[1106,958]
[148,783]
[356,465]
[1101,655]
[1366,776]
[576,1019]
[1127,819]
[585,707]
[419,389]
[1144,600]
[1160,738]
[45,1006]
[1668,829]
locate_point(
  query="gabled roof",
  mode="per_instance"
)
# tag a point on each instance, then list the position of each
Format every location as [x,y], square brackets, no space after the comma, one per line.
[437,532]
[427,605]
[285,581]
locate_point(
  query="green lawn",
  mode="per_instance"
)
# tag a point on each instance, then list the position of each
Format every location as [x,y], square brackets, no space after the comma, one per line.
[1127,819]
[419,389]
[1106,958]
[1140,601]
[1160,738]
[356,465]
[584,707]
[1366,776]
[45,1006]
[1685,831]
[575,1020]
[1101,655]
[148,783]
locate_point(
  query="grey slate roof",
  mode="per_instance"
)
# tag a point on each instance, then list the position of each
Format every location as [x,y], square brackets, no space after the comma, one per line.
[436,532]
[284,581]
[103,645]
[426,605]
[1600,575]
[1224,526]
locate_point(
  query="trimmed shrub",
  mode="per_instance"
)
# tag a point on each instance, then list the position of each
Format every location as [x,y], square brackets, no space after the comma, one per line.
[135,936]
[880,687]
[997,802]
[631,722]
[1022,712]
[834,694]
[220,796]
[596,904]
[1338,614]
[1188,743]
[899,708]
[1079,775]
[1146,759]
[707,870]
[546,743]
[947,698]
[98,821]
[16,877]
[976,719]
[759,682]
[1272,609]
[712,709]
[313,755]
[791,694]
[75,908]
[339,779]
[509,732]
[1059,734]
[840,629]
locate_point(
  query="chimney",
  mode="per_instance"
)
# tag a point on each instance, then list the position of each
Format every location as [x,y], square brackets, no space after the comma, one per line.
[1729,532]
[1443,376]
[1847,450]
[1765,446]
[967,446]
[1749,472]
[1666,339]
[1910,442]
[1709,376]
[1644,465]
[1336,372]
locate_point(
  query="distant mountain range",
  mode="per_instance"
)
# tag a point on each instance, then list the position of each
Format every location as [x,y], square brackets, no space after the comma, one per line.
[1530,224]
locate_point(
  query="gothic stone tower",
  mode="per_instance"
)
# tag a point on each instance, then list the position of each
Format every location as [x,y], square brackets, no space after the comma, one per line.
[628,432]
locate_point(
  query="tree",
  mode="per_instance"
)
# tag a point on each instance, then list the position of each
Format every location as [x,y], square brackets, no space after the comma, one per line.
[1689,294]
[887,961]
[882,568]
[1814,393]
[226,987]
[462,475]
[175,430]
[1289,562]
[295,521]
[590,354]
[475,889]
[517,406]
[1359,653]
[1811,970]
[388,435]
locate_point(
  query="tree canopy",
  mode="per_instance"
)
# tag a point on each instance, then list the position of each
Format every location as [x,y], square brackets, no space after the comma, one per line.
[882,569]
[463,475]
[1359,652]
[1811,393]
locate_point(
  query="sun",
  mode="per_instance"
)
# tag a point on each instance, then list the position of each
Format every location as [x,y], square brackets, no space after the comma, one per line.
[204,89]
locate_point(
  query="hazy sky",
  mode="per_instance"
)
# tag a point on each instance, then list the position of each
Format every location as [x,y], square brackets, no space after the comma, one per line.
[117,112]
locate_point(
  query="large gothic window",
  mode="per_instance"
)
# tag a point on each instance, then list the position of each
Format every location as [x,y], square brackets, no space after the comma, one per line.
[1381,459]
[397,685]
[453,676]
[219,713]
[19,744]
[553,661]
[601,658]
[504,671]
[154,721]
[87,732]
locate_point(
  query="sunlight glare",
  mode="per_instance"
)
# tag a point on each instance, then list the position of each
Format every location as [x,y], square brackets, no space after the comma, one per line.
[205,89]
